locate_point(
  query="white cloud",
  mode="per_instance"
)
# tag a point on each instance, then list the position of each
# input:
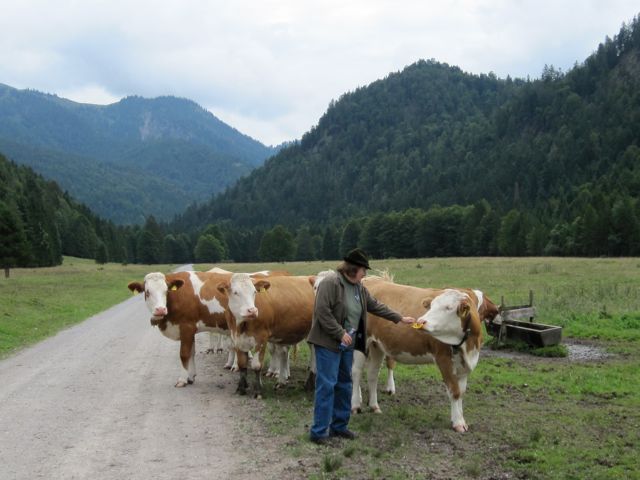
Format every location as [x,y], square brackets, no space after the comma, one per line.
[270,68]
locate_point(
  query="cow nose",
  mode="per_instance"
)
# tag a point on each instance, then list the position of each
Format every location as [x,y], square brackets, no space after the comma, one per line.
[252,312]
[160,311]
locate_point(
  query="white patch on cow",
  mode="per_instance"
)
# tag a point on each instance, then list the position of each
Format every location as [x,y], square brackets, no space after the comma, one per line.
[264,273]
[480,296]
[244,342]
[172,331]
[155,293]
[442,320]
[319,278]
[242,297]
[255,363]
[213,305]
[471,358]
[218,270]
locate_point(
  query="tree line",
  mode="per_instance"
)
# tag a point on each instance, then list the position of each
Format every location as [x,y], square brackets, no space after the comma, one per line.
[39,223]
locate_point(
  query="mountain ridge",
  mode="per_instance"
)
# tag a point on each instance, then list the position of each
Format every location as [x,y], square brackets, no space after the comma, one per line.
[148,137]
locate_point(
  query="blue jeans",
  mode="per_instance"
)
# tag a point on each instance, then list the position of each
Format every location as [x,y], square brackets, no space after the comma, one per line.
[332,403]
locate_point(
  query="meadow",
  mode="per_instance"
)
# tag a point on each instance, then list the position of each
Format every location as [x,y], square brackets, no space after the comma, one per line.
[529,417]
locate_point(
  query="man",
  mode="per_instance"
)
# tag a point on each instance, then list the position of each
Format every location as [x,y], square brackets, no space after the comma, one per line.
[340,326]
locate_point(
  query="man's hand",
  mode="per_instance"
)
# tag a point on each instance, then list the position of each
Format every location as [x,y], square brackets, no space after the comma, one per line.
[346,339]
[408,320]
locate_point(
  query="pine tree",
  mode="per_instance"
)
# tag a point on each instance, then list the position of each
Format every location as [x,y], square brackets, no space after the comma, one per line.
[14,248]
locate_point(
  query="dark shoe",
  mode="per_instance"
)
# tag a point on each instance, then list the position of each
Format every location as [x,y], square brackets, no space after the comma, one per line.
[348,434]
[320,440]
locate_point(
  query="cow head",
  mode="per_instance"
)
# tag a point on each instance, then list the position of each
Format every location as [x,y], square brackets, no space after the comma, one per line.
[155,287]
[315,280]
[241,291]
[450,316]
[487,310]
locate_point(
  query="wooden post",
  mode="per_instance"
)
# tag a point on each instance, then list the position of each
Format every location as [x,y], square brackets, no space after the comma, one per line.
[6,272]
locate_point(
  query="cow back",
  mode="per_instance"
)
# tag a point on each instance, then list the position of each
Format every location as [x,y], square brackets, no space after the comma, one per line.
[397,339]
[198,300]
[285,309]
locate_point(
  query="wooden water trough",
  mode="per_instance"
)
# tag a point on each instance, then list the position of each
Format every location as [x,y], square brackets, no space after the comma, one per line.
[516,323]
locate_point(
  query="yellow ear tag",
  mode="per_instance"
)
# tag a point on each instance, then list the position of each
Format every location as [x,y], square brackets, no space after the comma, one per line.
[174,288]
[416,325]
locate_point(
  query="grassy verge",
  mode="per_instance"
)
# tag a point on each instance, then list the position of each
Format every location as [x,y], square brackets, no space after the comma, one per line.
[37,303]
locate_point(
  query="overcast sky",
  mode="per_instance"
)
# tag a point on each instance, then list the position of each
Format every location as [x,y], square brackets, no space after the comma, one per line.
[270,68]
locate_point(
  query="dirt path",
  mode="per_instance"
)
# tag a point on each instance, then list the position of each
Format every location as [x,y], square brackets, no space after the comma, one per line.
[97,401]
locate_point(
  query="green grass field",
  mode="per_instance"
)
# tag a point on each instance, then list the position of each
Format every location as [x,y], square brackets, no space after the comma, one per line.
[37,303]
[529,417]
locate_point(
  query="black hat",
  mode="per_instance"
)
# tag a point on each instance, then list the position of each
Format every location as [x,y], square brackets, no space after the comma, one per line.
[358,257]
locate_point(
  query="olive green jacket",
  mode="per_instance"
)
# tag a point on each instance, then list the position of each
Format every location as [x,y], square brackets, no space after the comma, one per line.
[330,314]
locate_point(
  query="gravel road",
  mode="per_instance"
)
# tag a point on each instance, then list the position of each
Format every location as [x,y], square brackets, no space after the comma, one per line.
[97,401]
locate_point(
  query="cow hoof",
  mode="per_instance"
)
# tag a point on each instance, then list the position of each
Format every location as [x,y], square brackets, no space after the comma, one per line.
[209,350]
[461,428]
[269,374]
[220,350]
[258,396]
[227,367]
[190,381]
[181,384]
[390,392]
[376,409]
[279,386]
[356,410]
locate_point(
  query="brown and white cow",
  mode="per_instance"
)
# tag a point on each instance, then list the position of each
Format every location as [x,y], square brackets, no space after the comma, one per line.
[280,314]
[183,304]
[451,337]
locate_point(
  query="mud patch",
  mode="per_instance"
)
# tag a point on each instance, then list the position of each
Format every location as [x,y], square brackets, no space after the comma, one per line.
[583,352]
[579,351]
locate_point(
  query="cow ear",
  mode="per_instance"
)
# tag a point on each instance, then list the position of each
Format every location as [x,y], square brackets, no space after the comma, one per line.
[426,303]
[223,287]
[136,287]
[260,284]
[175,284]
[312,280]
[464,309]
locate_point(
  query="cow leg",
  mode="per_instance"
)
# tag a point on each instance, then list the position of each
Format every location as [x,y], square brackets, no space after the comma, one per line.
[243,384]
[283,363]
[374,362]
[223,342]
[310,382]
[391,384]
[187,357]
[256,366]
[359,361]
[456,386]
[232,362]
[274,362]
[213,341]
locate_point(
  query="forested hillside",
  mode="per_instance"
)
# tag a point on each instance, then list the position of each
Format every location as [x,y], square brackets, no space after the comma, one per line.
[435,161]
[39,223]
[128,160]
